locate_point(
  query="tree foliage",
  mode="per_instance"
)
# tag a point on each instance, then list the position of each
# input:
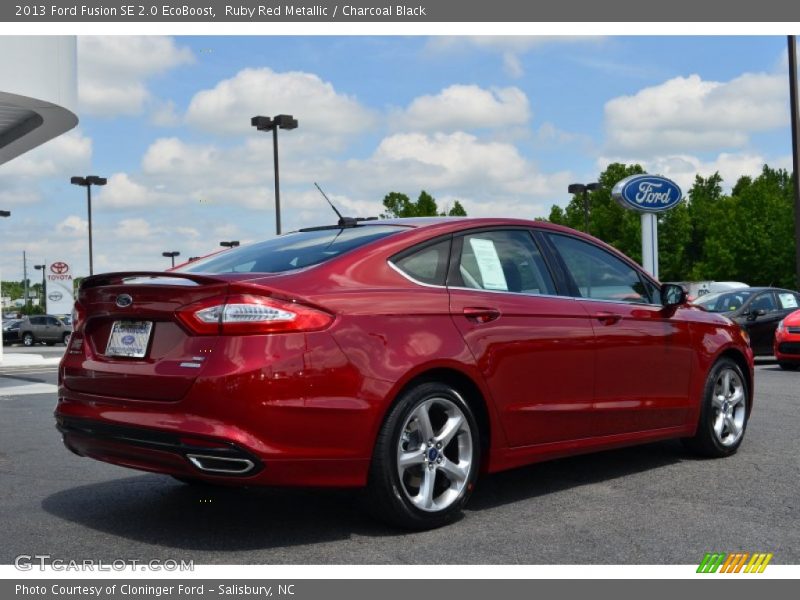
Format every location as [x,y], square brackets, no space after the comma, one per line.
[747,235]
[398,205]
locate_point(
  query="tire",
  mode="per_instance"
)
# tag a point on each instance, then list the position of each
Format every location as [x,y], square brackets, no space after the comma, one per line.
[65,339]
[725,393]
[787,366]
[435,430]
[27,339]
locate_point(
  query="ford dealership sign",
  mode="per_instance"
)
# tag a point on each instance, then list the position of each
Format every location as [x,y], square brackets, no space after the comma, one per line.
[647,193]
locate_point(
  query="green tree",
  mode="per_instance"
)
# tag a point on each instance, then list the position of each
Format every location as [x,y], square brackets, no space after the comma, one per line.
[398,205]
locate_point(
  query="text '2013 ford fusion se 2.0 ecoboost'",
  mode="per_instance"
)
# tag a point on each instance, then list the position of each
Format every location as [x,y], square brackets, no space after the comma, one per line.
[405,356]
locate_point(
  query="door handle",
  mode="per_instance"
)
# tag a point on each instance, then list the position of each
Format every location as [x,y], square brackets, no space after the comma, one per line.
[607,318]
[480,314]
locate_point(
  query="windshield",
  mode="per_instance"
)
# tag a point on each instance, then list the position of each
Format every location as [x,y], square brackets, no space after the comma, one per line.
[724,301]
[291,251]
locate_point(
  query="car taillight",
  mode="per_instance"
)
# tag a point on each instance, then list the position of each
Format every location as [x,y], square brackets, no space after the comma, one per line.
[78,316]
[248,315]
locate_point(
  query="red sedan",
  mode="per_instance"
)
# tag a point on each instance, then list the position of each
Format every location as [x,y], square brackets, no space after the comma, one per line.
[786,345]
[407,356]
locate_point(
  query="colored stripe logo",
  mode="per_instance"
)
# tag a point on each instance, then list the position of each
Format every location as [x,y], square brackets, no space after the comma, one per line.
[738,562]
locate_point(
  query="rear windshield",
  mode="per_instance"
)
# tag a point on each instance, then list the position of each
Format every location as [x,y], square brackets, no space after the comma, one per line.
[291,251]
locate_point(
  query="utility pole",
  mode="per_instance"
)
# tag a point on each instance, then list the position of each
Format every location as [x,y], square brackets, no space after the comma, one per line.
[795,151]
[25,279]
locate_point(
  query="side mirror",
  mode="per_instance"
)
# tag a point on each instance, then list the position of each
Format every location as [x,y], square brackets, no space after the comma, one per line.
[673,295]
[754,314]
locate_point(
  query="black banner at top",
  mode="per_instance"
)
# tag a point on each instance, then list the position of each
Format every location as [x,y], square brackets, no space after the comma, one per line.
[467,11]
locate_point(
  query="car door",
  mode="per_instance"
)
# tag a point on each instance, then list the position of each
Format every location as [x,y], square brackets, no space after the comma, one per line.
[533,347]
[37,328]
[643,352]
[760,319]
[52,329]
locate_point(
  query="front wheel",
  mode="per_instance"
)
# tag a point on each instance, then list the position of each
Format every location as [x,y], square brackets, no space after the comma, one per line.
[724,413]
[426,458]
[27,339]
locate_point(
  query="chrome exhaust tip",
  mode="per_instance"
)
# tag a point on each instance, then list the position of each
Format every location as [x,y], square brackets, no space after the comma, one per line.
[221,464]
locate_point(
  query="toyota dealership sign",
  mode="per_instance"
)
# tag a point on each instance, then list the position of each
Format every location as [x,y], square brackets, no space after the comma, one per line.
[59,288]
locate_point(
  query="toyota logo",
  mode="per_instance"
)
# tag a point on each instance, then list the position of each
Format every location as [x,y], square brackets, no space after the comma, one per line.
[59,268]
[55,296]
[124,300]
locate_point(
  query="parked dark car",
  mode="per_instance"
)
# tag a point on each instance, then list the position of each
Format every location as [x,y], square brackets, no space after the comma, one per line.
[11,331]
[45,329]
[404,356]
[757,310]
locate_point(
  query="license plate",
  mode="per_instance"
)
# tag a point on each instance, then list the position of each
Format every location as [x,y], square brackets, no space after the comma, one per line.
[129,338]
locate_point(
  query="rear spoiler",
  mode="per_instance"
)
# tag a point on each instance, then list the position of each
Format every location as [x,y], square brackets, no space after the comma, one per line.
[147,278]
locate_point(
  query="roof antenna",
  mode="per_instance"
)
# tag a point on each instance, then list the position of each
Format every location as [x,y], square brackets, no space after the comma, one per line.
[343,221]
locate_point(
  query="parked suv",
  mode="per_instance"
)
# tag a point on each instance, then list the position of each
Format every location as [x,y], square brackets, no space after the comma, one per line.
[46,329]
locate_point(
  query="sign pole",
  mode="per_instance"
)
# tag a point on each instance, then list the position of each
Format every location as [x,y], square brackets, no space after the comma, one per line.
[650,243]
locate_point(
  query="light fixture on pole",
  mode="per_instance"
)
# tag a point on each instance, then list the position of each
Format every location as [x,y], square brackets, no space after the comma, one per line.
[88,182]
[273,124]
[171,255]
[580,188]
[231,244]
[5,213]
[42,268]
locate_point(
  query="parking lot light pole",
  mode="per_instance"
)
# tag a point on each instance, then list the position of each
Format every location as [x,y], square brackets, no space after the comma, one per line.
[171,255]
[3,213]
[42,268]
[580,188]
[88,182]
[231,244]
[273,124]
[795,149]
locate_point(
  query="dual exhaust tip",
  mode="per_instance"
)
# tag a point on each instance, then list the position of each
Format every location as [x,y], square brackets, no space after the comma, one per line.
[221,465]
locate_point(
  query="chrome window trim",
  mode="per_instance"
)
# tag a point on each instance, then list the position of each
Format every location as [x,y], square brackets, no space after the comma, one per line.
[411,279]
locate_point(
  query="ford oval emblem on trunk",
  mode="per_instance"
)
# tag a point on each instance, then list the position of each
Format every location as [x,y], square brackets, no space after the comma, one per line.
[647,193]
[124,300]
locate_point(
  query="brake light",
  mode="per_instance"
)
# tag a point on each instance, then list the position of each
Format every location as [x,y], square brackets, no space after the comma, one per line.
[78,316]
[249,315]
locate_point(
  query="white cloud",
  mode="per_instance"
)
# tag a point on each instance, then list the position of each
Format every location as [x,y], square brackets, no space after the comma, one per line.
[56,158]
[113,70]
[682,168]
[323,112]
[73,226]
[509,47]
[689,114]
[463,107]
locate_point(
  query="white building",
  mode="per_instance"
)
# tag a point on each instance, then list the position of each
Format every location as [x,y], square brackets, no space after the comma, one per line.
[38,91]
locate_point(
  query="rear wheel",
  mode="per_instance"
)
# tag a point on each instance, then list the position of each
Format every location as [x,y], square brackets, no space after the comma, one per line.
[724,413]
[65,339]
[426,459]
[787,366]
[27,339]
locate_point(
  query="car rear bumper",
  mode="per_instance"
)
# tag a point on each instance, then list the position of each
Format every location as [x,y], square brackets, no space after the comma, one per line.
[303,418]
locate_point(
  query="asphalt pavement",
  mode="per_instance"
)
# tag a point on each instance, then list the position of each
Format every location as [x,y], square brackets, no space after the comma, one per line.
[652,504]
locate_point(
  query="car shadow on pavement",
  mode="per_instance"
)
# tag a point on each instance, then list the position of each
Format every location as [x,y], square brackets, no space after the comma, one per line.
[565,473]
[157,510]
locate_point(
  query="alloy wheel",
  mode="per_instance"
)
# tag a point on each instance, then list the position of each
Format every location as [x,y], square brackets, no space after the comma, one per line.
[730,407]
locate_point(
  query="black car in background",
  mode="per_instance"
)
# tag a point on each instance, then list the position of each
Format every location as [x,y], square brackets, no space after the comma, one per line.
[758,310]
[11,330]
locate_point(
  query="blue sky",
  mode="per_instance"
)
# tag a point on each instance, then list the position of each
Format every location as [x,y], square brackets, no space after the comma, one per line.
[502,124]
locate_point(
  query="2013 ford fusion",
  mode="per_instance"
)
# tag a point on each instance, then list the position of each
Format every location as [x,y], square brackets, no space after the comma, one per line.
[406,356]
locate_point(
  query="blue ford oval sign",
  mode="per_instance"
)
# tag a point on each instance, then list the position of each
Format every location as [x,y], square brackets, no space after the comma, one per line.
[647,193]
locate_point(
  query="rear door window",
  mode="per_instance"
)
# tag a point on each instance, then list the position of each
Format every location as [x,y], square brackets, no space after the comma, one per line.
[504,261]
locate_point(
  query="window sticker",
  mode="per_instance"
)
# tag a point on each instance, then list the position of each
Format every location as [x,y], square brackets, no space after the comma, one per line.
[489,264]
[788,300]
